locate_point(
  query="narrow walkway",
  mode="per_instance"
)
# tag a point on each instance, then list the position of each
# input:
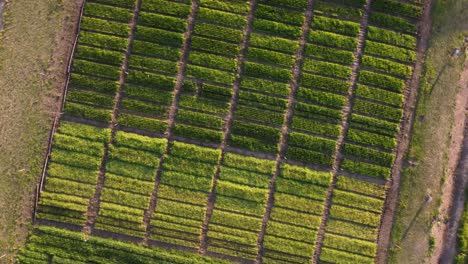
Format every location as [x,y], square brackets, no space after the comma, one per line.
[227,126]
[182,66]
[294,86]
[346,113]
[94,203]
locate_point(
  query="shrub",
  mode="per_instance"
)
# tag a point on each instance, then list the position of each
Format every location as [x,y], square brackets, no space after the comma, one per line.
[315,127]
[109,12]
[99,55]
[152,64]
[374,125]
[162,22]
[371,139]
[210,74]
[391,37]
[105,26]
[359,186]
[92,68]
[388,51]
[203,134]
[379,157]
[88,112]
[367,169]
[308,156]
[322,98]
[93,83]
[342,12]
[212,61]
[231,6]
[218,32]
[333,40]
[103,41]
[146,108]
[339,256]
[91,98]
[387,66]
[336,26]
[144,123]
[326,68]
[153,49]
[279,14]
[267,72]
[329,54]
[273,43]
[167,7]
[159,36]
[214,46]
[266,86]
[272,57]
[377,110]
[221,18]
[398,8]
[357,201]
[393,22]
[325,83]
[200,119]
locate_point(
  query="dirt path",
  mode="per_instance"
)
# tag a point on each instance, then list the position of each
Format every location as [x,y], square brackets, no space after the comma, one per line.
[403,139]
[173,109]
[452,197]
[94,203]
[294,86]
[228,125]
[356,66]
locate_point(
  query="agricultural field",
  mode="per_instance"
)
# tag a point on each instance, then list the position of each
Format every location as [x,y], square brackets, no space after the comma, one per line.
[207,131]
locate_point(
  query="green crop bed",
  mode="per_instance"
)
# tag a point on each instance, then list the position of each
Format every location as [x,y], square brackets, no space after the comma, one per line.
[194,125]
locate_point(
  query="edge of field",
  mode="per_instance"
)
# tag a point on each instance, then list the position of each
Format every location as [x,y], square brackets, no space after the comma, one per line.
[428,158]
[33,59]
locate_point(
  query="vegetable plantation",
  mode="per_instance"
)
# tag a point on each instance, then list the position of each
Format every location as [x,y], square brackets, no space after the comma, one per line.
[260,131]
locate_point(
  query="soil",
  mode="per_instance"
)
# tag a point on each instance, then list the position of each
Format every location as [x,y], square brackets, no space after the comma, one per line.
[391,202]
[346,113]
[294,86]
[94,203]
[227,126]
[445,232]
[172,112]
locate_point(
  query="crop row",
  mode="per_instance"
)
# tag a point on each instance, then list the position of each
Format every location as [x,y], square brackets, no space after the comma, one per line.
[212,64]
[296,214]
[72,172]
[241,195]
[97,63]
[54,245]
[182,194]
[351,229]
[153,65]
[125,195]
[264,85]
[377,110]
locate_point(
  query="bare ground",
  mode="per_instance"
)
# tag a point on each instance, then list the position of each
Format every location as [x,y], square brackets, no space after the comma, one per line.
[346,113]
[443,230]
[404,136]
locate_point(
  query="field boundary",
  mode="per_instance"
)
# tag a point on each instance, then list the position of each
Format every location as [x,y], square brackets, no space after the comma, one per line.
[58,114]
[404,136]
[172,113]
[227,126]
[294,86]
[94,203]
[346,112]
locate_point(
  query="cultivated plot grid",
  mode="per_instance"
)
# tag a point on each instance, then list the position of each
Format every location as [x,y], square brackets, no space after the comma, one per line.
[259,131]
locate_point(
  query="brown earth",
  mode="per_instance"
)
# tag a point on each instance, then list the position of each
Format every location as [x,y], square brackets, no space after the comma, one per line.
[403,139]
[441,231]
